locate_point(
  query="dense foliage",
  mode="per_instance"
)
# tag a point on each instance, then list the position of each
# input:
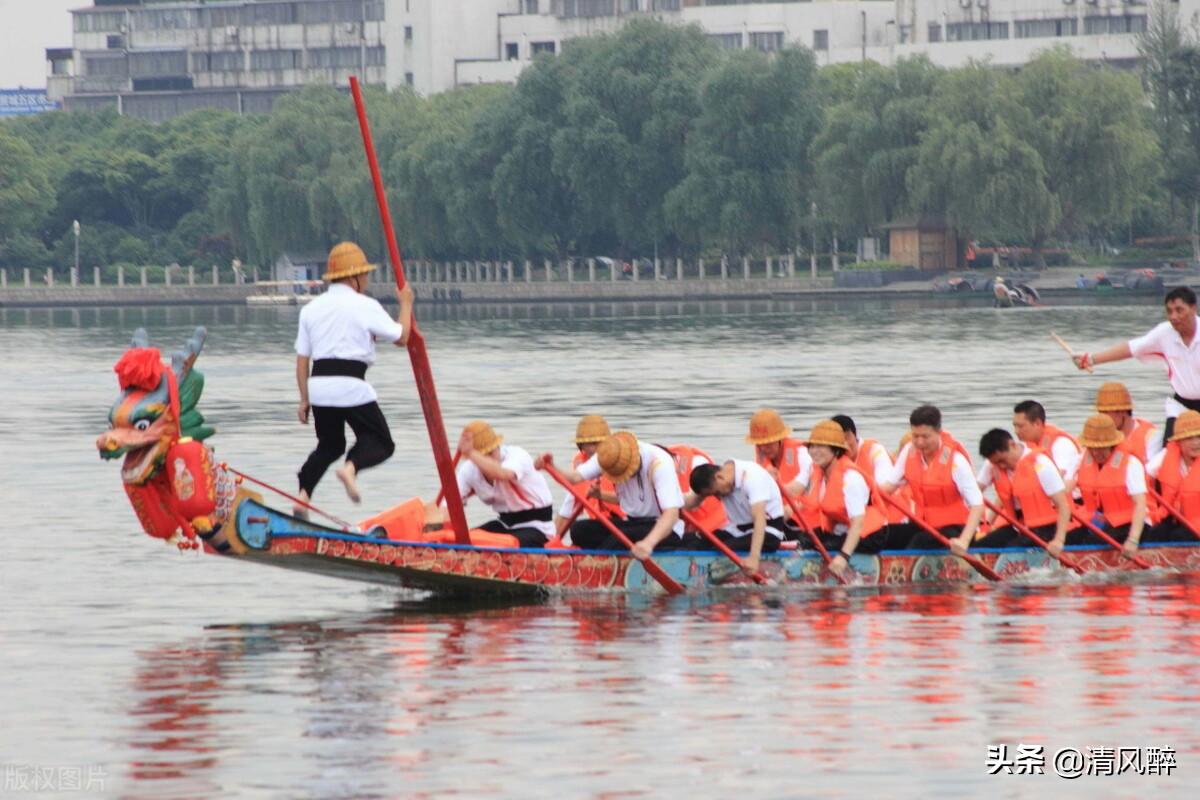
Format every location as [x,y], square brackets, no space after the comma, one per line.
[650,139]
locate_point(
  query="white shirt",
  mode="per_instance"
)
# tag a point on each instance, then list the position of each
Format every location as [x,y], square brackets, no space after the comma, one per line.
[1154,465]
[501,495]
[960,473]
[1047,472]
[1154,442]
[881,463]
[651,490]
[751,484]
[341,323]
[1163,346]
[1065,455]
[855,494]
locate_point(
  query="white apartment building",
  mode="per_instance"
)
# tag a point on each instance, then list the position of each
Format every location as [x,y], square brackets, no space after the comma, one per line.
[158,59]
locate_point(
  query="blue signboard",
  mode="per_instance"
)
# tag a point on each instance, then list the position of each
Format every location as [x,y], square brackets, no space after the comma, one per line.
[19,102]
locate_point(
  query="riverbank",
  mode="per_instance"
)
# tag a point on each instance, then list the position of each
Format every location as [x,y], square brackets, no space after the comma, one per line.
[1054,282]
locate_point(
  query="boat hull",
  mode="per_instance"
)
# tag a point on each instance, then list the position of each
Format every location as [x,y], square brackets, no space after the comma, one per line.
[260,534]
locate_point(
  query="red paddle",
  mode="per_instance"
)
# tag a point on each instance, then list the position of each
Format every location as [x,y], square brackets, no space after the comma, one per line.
[441,495]
[1108,540]
[690,519]
[980,567]
[1174,512]
[422,373]
[1028,533]
[654,570]
[799,517]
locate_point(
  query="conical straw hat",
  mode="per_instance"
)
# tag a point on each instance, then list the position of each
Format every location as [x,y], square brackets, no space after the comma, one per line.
[345,260]
[618,456]
[1100,431]
[767,426]
[1113,396]
[483,437]
[1187,425]
[592,428]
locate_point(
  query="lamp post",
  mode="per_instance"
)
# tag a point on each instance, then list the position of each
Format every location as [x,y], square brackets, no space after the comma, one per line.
[75,230]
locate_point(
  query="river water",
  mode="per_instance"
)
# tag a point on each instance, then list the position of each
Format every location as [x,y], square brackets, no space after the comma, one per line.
[128,669]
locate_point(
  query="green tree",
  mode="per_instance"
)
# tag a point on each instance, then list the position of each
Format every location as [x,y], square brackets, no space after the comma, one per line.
[26,196]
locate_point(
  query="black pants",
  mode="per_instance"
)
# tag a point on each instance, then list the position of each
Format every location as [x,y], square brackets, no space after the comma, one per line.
[591,534]
[740,543]
[373,441]
[881,539]
[526,536]
[1169,530]
[1009,536]
[913,537]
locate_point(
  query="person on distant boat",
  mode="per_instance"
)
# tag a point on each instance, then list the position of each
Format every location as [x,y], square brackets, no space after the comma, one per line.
[1174,344]
[1178,472]
[336,336]
[1029,423]
[649,494]
[753,506]
[1113,483]
[936,468]
[1030,489]
[504,477]
[1141,439]
[589,433]
[849,521]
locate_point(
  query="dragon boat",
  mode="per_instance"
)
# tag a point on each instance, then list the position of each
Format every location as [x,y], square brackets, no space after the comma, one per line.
[181,494]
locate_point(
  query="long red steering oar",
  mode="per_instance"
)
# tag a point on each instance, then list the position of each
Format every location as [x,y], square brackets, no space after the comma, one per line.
[1108,540]
[799,517]
[652,569]
[1174,512]
[422,373]
[1028,533]
[980,567]
[714,540]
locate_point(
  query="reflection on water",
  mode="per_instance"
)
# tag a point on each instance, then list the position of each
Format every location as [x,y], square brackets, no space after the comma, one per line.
[189,676]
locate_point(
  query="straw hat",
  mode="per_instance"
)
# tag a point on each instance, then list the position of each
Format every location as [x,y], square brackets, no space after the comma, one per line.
[1113,396]
[345,260]
[483,437]
[767,426]
[592,428]
[1187,425]
[618,456]
[1100,431]
[828,433]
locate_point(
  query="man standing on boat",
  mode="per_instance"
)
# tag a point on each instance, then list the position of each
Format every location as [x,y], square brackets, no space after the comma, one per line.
[936,468]
[1031,427]
[647,489]
[336,337]
[1030,488]
[503,476]
[1174,344]
[752,502]
[1141,439]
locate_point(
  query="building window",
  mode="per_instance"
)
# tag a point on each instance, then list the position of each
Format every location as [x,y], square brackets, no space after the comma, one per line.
[820,40]
[275,59]
[115,41]
[408,33]
[408,79]
[102,22]
[768,41]
[223,17]
[1039,28]
[106,65]
[60,66]
[336,11]
[335,57]
[666,5]
[587,8]
[511,51]
[228,61]
[935,32]
[376,56]
[531,6]
[976,31]
[373,11]
[269,14]
[727,41]
[536,48]
[1098,26]
[164,19]
[171,62]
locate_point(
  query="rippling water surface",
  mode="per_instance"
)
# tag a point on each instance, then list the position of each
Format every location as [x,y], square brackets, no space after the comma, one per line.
[161,675]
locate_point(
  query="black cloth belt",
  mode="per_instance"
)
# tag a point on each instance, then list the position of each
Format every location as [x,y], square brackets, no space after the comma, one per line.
[514,518]
[329,367]
[1194,405]
[777,523]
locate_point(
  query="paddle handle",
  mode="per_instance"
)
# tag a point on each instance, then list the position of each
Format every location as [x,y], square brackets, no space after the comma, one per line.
[1174,512]
[346,526]
[980,567]
[1108,540]
[652,569]
[1067,347]
[1028,533]
[422,372]
[799,517]
[441,495]
[690,519]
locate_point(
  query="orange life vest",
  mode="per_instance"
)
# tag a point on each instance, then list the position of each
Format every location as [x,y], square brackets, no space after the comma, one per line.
[1024,489]
[1135,443]
[710,513]
[1180,491]
[1103,488]
[1051,434]
[937,499]
[789,460]
[606,486]
[866,466]
[833,501]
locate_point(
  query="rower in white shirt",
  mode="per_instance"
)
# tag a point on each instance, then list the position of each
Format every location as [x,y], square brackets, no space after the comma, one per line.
[1031,427]
[336,336]
[503,477]
[753,506]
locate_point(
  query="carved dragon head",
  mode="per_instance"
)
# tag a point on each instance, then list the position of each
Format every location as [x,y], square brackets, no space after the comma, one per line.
[142,426]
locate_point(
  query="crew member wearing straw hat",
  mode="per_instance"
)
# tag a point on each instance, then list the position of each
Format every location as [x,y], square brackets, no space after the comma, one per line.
[589,433]
[336,337]
[647,489]
[849,521]
[754,520]
[1112,482]
[1178,472]
[774,449]
[1173,344]
[503,476]
[1141,440]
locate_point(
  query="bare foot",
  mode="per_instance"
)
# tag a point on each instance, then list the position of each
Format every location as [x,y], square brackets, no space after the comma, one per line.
[299,511]
[346,474]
